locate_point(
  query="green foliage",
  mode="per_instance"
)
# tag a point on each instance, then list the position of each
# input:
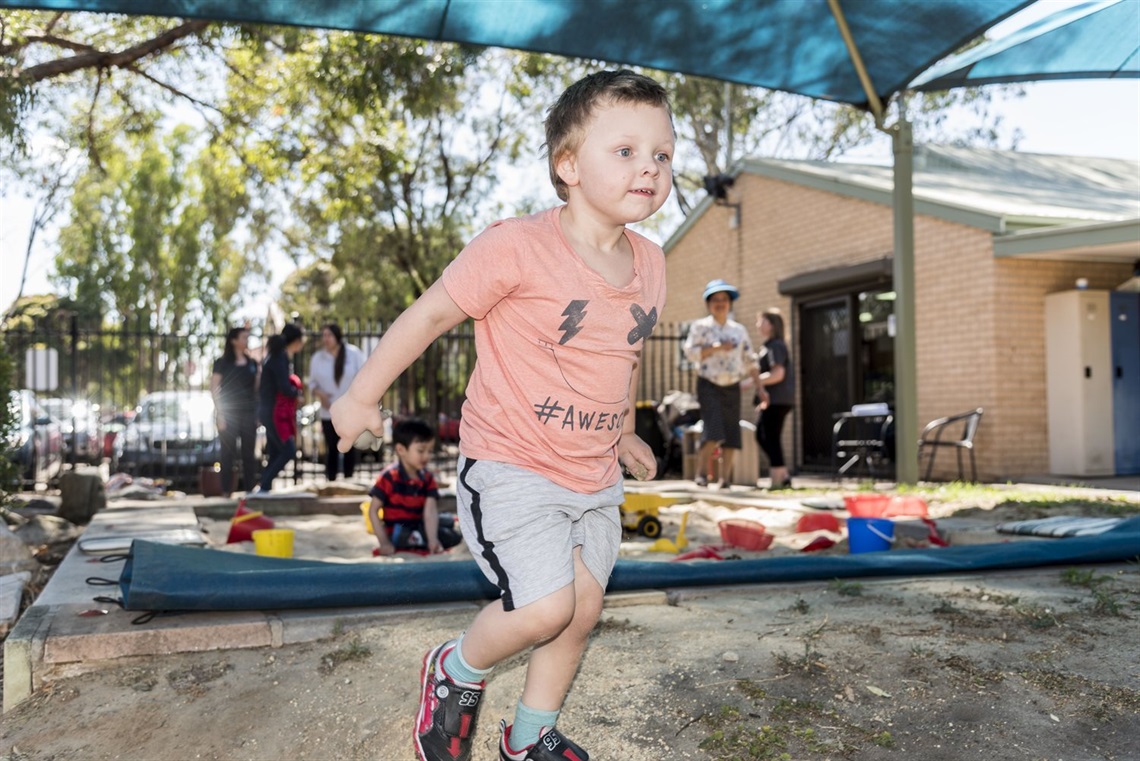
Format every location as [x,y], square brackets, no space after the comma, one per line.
[9,472]
[368,160]
[150,233]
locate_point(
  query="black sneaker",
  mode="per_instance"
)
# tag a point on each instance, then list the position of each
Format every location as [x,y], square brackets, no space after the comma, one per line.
[552,745]
[445,725]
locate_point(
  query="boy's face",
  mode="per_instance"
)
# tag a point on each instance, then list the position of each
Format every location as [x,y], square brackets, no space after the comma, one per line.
[416,455]
[623,170]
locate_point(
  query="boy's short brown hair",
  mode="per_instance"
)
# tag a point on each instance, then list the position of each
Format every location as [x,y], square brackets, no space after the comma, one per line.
[567,118]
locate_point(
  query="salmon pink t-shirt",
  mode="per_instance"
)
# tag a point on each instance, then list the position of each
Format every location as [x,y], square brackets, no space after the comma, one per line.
[556,347]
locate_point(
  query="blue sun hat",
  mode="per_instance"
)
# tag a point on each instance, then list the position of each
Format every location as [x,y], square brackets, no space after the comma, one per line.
[720,286]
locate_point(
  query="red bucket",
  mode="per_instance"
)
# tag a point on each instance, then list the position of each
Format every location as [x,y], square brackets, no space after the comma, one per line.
[867,505]
[245,522]
[818,522]
[884,506]
[745,534]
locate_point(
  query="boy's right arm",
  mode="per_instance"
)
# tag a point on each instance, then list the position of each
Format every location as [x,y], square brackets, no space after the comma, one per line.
[433,314]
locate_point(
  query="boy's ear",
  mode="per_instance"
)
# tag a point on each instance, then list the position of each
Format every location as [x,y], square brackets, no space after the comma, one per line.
[567,168]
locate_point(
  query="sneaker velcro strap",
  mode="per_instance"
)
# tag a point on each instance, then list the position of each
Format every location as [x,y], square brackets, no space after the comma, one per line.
[553,746]
[460,708]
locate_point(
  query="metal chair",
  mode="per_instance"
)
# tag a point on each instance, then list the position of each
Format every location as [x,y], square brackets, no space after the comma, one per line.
[859,438]
[932,437]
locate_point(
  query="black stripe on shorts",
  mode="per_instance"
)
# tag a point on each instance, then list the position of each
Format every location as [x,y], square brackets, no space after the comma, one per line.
[488,548]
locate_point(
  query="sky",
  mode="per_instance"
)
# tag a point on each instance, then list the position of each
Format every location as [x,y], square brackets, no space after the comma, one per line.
[1080,118]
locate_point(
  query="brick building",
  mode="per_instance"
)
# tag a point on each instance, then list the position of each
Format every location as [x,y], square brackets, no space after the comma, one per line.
[995,231]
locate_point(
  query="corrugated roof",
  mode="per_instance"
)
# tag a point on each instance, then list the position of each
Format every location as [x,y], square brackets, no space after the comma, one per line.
[996,190]
[1018,188]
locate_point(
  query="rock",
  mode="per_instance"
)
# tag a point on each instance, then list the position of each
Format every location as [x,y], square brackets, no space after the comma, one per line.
[46,529]
[81,496]
[36,506]
[11,594]
[730,657]
[17,556]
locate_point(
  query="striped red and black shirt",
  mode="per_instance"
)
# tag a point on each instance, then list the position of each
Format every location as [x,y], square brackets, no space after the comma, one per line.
[402,495]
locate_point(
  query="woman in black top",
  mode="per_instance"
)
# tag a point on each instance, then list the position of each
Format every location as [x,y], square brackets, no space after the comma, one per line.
[776,396]
[275,381]
[234,386]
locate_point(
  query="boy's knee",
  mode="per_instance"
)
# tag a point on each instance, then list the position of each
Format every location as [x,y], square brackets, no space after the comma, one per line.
[549,617]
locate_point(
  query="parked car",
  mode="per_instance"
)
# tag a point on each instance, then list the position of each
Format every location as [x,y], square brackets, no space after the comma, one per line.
[82,429]
[35,443]
[113,425]
[172,436]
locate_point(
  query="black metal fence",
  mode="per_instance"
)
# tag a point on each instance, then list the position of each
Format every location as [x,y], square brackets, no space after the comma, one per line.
[116,368]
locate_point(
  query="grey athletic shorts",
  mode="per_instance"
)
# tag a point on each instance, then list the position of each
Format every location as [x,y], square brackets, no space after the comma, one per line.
[522,529]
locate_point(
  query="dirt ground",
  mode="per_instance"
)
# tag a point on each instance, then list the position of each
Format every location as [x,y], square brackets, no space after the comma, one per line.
[1036,664]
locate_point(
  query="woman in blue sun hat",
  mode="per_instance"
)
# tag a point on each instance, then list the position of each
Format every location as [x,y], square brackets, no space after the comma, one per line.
[722,351]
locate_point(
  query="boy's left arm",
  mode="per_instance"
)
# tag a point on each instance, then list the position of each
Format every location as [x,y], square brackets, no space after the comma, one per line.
[633,453]
[431,525]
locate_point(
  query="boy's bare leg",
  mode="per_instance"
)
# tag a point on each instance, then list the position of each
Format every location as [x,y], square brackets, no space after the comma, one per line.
[558,626]
[553,664]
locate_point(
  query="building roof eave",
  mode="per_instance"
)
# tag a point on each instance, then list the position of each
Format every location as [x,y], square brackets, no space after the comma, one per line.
[1102,241]
[877,191]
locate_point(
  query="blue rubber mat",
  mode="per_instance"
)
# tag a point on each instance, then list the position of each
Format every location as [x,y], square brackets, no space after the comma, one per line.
[164,577]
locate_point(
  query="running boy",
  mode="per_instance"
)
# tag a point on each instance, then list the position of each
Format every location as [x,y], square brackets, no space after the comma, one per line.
[407,493]
[563,301]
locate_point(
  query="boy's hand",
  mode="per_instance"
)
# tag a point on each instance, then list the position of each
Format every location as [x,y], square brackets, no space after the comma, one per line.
[435,547]
[351,419]
[636,457]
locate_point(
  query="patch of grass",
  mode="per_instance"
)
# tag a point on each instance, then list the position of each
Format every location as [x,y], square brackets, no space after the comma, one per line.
[811,662]
[1083,577]
[1038,500]
[192,679]
[779,728]
[800,606]
[846,588]
[1106,602]
[1098,700]
[946,608]
[353,651]
[1036,616]
[884,740]
[990,597]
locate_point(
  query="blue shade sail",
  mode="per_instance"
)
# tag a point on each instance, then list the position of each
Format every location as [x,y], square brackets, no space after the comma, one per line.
[1099,40]
[791,45]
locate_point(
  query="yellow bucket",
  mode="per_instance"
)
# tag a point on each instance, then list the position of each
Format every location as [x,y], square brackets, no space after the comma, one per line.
[364,512]
[273,542]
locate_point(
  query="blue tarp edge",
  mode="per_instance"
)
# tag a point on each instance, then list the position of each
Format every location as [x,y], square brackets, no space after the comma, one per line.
[163,577]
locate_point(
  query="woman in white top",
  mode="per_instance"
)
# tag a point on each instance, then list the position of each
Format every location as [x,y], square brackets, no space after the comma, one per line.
[330,373]
[722,351]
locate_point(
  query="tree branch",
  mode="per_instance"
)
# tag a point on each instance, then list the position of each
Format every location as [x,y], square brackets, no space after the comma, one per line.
[104,60]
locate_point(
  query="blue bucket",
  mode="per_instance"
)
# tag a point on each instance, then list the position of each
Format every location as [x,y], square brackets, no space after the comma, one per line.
[870,534]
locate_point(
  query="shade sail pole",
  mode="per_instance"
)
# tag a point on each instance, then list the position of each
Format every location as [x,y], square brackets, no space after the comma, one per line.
[906,367]
[873,101]
[906,372]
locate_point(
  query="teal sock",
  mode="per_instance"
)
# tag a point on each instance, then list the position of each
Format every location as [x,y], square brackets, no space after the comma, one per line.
[528,723]
[459,669]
